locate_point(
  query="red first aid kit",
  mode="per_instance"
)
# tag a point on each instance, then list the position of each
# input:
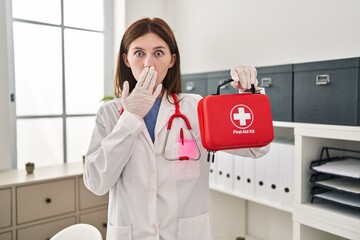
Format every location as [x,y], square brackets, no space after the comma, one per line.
[232,121]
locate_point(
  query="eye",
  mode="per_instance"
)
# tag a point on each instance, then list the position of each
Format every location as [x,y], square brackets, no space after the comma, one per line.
[158,53]
[139,53]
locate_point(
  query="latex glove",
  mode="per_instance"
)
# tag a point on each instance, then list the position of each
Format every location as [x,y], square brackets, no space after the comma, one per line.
[243,77]
[143,96]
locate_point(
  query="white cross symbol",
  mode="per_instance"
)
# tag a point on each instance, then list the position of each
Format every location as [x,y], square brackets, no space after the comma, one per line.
[242,116]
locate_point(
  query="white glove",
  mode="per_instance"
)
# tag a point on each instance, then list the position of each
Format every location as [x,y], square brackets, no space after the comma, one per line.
[142,97]
[243,77]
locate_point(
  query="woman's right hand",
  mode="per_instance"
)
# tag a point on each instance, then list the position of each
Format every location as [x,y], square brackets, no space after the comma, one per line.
[244,77]
[143,96]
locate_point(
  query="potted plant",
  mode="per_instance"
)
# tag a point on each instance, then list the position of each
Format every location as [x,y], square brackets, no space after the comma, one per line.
[30,166]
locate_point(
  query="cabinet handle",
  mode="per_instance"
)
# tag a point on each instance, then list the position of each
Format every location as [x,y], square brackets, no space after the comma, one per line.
[48,200]
[322,79]
[104,225]
[266,82]
[190,86]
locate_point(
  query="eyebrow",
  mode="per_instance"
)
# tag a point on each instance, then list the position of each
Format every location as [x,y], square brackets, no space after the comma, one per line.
[140,48]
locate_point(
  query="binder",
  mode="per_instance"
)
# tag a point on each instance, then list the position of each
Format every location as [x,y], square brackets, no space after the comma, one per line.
[249,173]
[212,174]
[261,181]
[273,173]
[239,174]
[287,161]
[224,168]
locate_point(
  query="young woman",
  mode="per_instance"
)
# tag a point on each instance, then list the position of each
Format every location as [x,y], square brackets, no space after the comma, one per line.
[132,155]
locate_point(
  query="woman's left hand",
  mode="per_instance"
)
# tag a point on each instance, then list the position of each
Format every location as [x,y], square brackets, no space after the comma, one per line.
[243,77]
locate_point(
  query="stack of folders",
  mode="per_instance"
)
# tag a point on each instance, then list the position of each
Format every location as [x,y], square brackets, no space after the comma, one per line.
[269,178]
[336,179]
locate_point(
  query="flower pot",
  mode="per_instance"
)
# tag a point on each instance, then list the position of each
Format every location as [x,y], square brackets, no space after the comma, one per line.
[30,169]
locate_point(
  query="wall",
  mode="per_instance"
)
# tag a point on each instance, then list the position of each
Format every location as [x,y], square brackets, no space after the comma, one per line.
[215,35]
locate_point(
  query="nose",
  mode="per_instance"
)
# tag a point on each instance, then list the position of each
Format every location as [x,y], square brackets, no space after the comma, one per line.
[149,61]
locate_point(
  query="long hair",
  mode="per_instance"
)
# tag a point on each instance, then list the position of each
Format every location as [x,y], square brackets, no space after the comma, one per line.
[172,80]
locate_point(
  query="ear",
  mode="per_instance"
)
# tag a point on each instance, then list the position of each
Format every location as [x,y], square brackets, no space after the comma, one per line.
[124,56]
[173,60]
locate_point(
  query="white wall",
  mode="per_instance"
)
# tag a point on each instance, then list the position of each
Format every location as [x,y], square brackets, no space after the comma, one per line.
[215,35]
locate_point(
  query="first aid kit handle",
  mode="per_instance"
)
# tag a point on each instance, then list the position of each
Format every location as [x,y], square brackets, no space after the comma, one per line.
[229,81]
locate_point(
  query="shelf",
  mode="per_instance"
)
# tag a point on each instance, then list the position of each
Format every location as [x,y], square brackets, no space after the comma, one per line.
[330,218]
[252,199]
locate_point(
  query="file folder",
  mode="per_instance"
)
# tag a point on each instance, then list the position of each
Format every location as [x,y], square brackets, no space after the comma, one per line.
[287,161]
[261,181]
[224,168]
[273,173]
[239,175]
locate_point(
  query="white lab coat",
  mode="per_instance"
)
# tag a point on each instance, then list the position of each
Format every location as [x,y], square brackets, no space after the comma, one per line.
[150,198]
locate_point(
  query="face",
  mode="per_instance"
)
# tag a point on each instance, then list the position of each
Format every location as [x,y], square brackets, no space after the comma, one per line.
[146,51]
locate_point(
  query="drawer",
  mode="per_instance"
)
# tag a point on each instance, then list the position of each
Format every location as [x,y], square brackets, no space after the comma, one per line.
[44,231]
[194,83]
[44,200]
[327,92]
[5,208]
[97,219]
[214,78]
[6,236]
[278,84]
[88,199]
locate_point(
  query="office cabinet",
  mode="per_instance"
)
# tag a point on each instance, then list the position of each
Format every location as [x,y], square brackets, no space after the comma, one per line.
[215,78]
[39,205]
[195,83]
[6,236]
[44,231]
[39,201]
[5,208]
[327,92]
[278,84]
[96,218]
[295,146]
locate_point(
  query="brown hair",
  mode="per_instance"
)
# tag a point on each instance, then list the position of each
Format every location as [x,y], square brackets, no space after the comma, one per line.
[172,80]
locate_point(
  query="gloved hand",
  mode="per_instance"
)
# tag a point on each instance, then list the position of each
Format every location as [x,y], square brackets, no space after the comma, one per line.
[142,97]
[243,77]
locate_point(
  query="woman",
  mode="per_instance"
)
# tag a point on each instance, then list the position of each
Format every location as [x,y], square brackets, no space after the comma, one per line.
[150,196]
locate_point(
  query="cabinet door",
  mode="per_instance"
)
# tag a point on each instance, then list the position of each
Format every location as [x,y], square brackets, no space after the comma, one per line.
[97,219]
[44,231]
[5,208]
[44,200]
[6,236]
[88,199]
[194,83]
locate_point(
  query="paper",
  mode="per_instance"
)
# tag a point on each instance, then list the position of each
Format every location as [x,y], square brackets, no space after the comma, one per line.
[339,197]
[348,168]
[342,184]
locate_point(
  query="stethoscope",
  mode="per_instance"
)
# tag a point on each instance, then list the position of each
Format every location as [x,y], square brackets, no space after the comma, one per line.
[178,114]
